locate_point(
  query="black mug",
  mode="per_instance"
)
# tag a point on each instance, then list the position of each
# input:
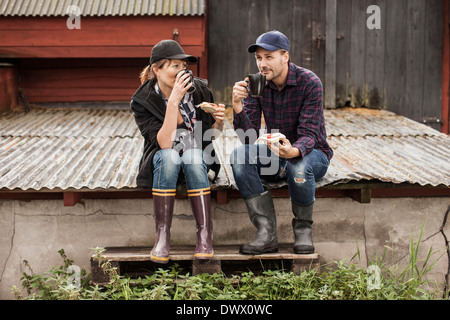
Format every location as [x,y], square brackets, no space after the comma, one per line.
[257,84]
[191,80]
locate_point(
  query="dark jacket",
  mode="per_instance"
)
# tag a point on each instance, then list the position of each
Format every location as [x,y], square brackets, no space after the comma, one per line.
[149,110]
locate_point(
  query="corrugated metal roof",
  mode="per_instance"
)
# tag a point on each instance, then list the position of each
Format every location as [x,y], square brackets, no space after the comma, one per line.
[63,149]
[55,8]
[60,149]
[380,145]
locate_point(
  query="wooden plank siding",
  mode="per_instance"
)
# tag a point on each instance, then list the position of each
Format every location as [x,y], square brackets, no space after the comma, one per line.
[72,80]
[446,69]
[99,37]
[99,62]
[397,67]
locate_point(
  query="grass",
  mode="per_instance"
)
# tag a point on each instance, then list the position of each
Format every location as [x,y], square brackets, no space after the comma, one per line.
[338,280]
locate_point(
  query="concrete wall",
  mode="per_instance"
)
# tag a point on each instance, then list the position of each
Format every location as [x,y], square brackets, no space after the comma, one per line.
[36,230]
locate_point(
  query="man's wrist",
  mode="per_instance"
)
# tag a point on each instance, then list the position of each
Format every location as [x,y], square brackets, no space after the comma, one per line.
[237,107]
[296,152]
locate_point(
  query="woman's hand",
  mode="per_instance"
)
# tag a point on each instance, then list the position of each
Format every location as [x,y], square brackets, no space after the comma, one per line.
[166,134]
[219,116]
[180,88]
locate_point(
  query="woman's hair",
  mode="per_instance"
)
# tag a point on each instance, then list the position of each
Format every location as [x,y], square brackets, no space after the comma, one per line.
[149,74]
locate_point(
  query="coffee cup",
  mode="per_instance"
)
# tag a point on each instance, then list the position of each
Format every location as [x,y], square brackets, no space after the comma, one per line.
[257,83]
[191,80]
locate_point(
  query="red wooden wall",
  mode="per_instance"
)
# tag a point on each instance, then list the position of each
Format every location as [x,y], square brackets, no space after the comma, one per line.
[71,80]
[99,62]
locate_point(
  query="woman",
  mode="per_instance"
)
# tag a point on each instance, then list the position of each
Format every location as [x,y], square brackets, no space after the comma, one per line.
[173,129]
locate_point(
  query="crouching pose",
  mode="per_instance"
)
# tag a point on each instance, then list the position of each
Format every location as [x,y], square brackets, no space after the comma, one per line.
[173,128]
[292,105]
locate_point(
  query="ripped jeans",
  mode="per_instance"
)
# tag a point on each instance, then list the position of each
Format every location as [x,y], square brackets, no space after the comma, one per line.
[251,163]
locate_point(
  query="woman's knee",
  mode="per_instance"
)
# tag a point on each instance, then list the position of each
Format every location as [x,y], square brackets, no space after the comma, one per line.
[167,164]
[193,163]
[195,169]
[193,157]
[168,158]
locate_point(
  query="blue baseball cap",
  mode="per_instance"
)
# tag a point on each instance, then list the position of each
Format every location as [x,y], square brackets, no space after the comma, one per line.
[270,41]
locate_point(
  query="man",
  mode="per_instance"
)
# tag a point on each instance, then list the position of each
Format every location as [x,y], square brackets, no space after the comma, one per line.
[292,105]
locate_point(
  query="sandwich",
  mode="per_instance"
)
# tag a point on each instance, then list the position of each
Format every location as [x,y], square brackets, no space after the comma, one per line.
[209,107]
[271,137]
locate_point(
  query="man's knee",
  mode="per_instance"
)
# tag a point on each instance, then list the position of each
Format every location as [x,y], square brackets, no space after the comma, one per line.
[299,172]
[237,156]
[246,154]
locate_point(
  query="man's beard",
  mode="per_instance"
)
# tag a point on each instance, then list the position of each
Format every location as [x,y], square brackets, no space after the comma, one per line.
[271,75]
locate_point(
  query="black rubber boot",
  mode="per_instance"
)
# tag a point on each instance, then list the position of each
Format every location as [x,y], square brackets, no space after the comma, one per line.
[262,214]
[302,228]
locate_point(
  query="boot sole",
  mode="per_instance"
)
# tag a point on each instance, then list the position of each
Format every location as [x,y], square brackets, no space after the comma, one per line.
[204,256]
[161,260]
[298,251]
[258,251]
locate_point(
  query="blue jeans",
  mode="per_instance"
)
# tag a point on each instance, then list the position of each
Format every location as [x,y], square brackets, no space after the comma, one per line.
[167,164]
[251,163]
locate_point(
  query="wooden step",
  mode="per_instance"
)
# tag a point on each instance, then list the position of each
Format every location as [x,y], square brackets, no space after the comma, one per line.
[135,261]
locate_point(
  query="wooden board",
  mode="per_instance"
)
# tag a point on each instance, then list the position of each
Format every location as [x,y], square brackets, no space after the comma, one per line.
[135,261]
[223,252]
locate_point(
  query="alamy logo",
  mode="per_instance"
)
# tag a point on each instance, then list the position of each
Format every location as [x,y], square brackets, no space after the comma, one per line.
[374,279]
[74,279]
[74,20]
[374,21]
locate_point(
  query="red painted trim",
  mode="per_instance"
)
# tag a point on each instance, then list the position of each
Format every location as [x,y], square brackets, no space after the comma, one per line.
[72,198]
[222,196]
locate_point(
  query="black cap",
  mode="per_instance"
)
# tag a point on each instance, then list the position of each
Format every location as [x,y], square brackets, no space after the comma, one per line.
[169,49]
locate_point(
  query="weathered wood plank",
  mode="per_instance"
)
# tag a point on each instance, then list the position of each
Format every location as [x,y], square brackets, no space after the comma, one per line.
[222,252]
[432,76]
[358,53]
[218,49]
[330,54]
[395,63]
[375,59]
[226,259]
[281,18]
[318,32]
[304,36]
[343,45]
[415,54]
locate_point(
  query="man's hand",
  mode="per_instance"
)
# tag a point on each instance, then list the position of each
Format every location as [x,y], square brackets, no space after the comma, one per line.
[239,92]
[284,149]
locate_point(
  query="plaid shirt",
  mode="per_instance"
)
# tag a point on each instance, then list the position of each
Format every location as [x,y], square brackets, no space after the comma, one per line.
[296,111]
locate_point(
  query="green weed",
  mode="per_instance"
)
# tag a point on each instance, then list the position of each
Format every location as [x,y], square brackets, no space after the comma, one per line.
[338,280]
